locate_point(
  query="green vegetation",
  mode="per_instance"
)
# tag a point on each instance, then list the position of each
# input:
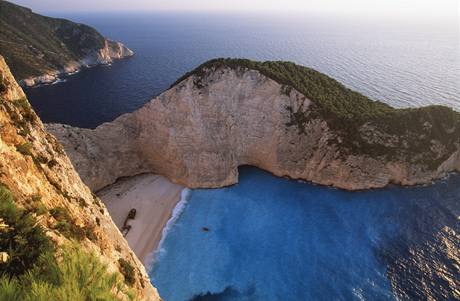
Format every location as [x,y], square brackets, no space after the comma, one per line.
[128,271]
[32,271]
[3,86]
[66,225]
[20,237]
[346,111]
[77,276]
[25,148]
[21,114]
[33,44]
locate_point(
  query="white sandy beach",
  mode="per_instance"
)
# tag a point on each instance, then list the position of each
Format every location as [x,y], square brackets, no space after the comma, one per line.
[154,198]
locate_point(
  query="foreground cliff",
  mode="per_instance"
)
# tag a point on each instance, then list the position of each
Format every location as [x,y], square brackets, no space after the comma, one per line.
[278,116]
[41,193]
[39,49]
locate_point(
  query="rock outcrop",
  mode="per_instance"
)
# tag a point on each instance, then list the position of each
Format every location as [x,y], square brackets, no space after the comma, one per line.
[111,51]
[35,168]
[39,49]
[226,114]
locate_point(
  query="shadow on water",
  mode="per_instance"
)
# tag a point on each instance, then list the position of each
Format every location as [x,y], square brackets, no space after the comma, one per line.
[229,293]
[423,258]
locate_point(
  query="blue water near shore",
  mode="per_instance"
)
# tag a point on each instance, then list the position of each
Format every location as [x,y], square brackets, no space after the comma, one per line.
[272,238]
[410,62]
[276,239]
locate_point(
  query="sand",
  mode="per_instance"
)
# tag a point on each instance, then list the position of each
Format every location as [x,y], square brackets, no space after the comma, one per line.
[154,198]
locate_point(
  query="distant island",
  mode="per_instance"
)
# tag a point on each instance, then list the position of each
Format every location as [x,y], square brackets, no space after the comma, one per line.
[40,49]
[281,117]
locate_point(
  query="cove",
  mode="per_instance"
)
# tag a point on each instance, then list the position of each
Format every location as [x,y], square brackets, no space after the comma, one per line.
[270,238]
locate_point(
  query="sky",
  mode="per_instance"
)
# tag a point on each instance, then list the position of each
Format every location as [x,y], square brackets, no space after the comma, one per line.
[369,7]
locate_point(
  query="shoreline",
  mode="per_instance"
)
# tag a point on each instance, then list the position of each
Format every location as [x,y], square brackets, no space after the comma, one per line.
[56,76]
[154,197]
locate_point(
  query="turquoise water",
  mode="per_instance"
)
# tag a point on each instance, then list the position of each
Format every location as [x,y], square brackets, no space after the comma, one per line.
[271,238]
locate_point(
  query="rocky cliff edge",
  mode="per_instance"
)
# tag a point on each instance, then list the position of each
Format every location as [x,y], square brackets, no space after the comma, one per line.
[36,169]
[229,113]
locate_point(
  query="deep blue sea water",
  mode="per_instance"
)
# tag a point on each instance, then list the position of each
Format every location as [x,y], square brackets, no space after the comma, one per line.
[271,238]
[407,62]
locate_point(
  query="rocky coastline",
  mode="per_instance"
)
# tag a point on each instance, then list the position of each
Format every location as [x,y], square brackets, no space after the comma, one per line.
[112,51]
[208,124]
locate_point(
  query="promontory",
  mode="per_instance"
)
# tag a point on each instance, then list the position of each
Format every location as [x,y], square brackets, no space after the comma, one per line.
[40,49]
[281,117]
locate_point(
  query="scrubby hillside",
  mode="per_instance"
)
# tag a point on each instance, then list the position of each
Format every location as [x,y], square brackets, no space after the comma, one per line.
[57,240]
[287,119]
[38,48]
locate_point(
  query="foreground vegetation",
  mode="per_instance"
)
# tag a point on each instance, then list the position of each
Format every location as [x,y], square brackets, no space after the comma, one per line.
[346,111]
[34,270]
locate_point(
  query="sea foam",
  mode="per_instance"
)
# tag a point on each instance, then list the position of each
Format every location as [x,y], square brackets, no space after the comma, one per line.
[177,211]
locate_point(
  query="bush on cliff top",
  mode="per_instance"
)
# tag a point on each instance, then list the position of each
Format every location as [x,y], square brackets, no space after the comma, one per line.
[346,110]
[334,99]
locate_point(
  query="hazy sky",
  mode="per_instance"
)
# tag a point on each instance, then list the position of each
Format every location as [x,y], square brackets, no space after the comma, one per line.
[393,7]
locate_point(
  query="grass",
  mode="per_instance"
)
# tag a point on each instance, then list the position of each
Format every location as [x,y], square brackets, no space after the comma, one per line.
[347,111]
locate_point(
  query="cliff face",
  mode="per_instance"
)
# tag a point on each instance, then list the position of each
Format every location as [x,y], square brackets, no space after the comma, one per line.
[198,132]
[35,168]
[39,49]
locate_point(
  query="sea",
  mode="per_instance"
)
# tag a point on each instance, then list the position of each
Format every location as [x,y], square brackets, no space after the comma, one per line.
[269,238]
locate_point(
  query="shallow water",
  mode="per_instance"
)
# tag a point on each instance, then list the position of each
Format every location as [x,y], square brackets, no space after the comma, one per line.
[402,62]
[270,238]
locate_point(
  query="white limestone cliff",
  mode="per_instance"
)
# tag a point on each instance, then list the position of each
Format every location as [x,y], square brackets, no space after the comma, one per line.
[198,134]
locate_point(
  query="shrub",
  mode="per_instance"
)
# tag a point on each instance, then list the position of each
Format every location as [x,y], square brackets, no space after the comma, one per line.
[23,239]
[66,224]
[77,276]
[2,85]
[34,273]
[36,206]
[127,270]
[25,148]
[52,163]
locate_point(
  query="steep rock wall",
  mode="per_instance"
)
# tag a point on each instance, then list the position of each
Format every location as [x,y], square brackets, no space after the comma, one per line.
[198,132]
[34,166]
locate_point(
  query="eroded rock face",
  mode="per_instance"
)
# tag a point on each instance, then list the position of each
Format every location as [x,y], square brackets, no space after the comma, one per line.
[198,132]
[111,51]
[34,166]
